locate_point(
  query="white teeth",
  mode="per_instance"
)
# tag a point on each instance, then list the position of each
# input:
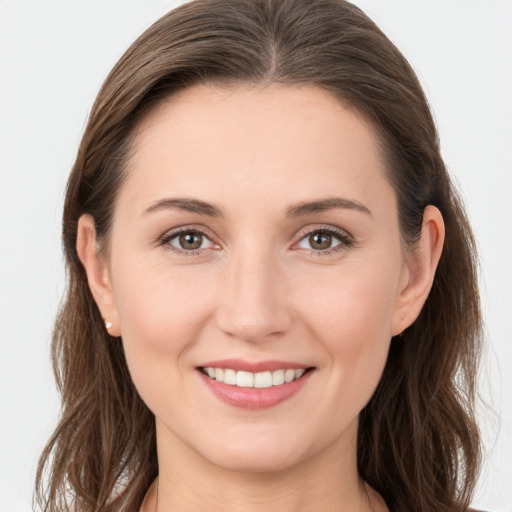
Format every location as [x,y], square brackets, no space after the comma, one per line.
[277,377]
[245,379]
[289,375]
[256,380]
[230,377]
[263,380]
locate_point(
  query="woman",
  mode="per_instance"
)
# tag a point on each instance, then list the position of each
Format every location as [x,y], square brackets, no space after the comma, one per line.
[272,295]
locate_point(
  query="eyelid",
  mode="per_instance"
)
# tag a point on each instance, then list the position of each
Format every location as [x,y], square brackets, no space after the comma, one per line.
[167,236]
[345,238]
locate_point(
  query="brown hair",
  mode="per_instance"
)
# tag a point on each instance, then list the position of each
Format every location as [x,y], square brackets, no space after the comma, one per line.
[418,444]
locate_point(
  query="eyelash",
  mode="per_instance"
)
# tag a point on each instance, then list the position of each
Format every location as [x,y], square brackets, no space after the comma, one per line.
[346,240]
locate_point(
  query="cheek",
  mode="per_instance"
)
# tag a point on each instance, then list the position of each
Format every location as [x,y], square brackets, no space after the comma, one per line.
[161,313]
[153,298]
[349,313]
[353,301]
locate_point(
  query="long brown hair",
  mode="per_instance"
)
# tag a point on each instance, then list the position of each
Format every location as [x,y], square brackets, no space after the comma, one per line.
[418,444]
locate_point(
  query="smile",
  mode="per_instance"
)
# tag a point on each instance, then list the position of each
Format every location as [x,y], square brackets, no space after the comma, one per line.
[256,386]
[244,379]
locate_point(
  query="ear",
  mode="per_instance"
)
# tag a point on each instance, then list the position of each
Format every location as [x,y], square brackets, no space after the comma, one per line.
[97,271]
[421,269]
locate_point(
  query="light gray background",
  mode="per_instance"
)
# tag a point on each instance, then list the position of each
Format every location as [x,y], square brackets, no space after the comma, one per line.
[54,56]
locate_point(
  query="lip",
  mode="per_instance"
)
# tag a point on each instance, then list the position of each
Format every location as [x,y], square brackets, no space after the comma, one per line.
[240,365]
[254,398]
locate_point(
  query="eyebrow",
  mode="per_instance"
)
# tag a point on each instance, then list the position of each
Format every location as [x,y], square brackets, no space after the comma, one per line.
[295,210]
[185,204]
[323,205]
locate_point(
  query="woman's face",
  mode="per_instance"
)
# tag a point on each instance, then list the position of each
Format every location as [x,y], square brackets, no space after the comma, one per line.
[256,233]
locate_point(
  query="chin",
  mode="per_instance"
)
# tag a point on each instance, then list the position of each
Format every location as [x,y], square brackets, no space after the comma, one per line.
[245,461]
[261,453]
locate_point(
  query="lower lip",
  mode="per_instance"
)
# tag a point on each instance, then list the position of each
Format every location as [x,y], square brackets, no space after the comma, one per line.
[255,398]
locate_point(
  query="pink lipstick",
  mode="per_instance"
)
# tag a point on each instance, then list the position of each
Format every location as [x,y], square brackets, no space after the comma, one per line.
[254,385]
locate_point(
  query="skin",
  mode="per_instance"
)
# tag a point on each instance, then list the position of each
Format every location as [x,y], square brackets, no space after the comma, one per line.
[257,290]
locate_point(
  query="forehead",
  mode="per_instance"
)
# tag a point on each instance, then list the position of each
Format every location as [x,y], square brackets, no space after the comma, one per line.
[254,140]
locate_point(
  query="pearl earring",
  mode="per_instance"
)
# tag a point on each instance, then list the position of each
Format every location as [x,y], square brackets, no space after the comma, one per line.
[108,325]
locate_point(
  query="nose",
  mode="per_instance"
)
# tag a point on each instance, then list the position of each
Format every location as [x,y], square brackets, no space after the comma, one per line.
[253,297]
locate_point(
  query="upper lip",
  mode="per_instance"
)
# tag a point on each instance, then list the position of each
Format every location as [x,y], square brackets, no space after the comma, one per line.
[254,366]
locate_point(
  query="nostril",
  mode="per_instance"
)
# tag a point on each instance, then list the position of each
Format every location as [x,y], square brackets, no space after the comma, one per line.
[253,327]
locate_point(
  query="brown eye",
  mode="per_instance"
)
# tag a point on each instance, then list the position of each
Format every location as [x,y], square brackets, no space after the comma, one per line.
[320,240]
[190,240]
[325,241]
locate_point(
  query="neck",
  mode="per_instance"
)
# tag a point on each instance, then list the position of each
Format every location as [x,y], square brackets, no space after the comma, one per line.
[326,482]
